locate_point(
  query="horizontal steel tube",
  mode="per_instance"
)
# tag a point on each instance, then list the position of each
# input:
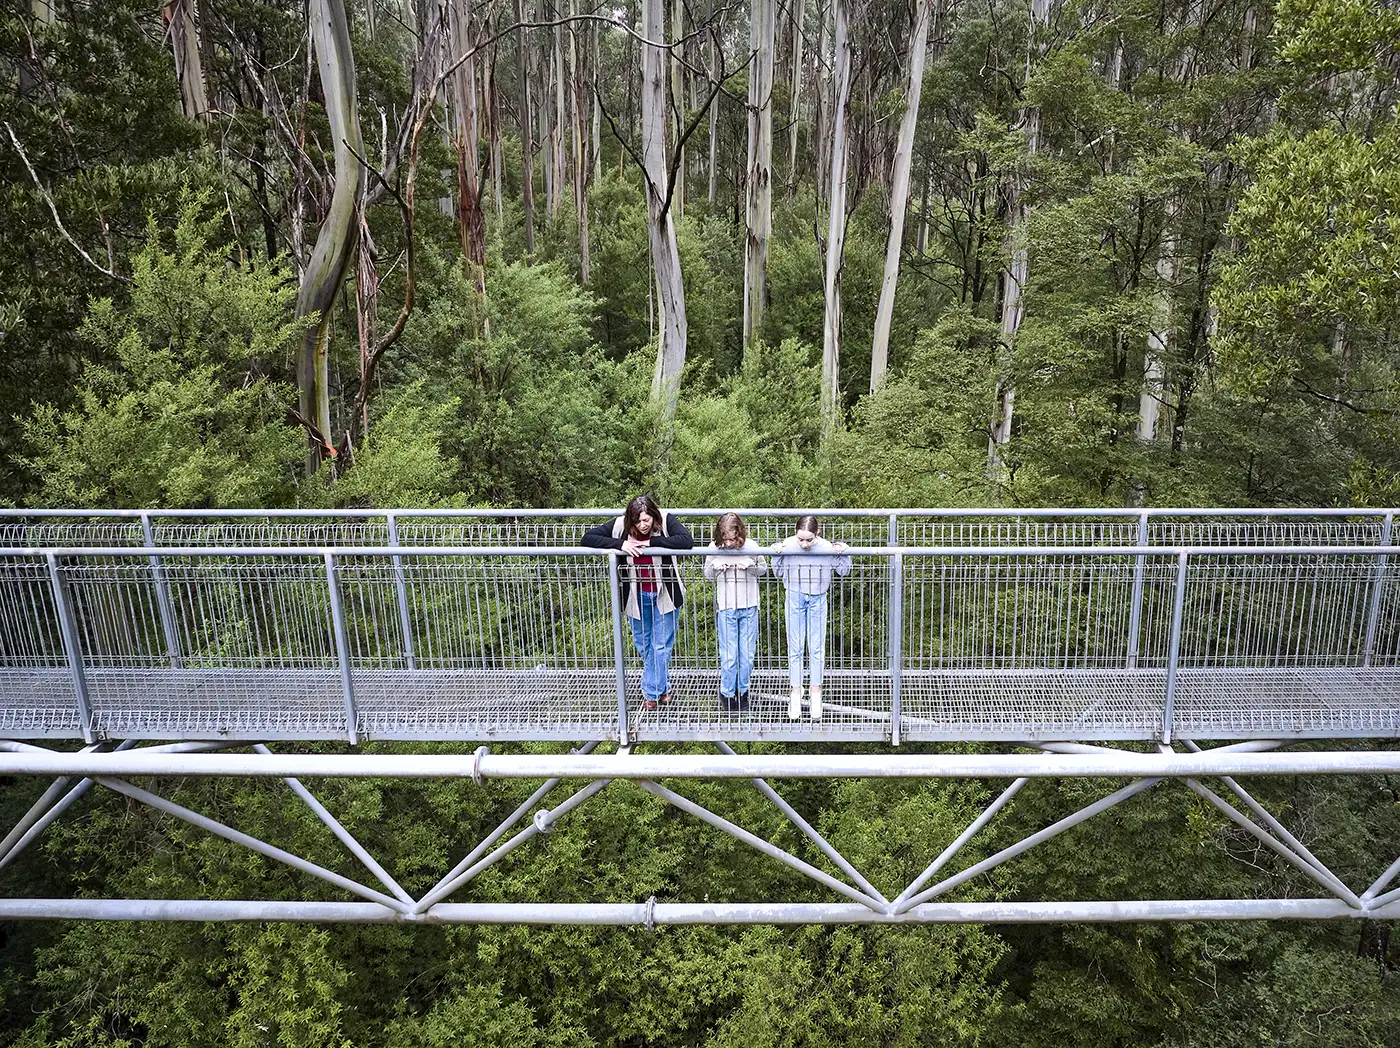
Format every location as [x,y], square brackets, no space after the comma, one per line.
[688,766]
[973,552]
[617,914]
[601,511]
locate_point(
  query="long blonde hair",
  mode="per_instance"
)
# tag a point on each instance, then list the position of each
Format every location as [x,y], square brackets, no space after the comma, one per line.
[730,532]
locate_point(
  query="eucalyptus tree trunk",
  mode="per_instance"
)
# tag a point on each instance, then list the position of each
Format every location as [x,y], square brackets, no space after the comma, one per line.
[1154,370]
[335,241]
[467,138]
[558,109]
[493,120]
[799,14]
[925,15]
[836,223]
[597,67]
[189,68]
[822,137]
[1015,276]
[759,183]
[581,162]
[665,255]
[524,13]
[677,100]
[714,123]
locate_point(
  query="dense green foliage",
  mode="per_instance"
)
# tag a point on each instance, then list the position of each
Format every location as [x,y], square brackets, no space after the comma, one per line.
[1258,140]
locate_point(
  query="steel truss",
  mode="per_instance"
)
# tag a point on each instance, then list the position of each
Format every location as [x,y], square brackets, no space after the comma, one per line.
[861,902]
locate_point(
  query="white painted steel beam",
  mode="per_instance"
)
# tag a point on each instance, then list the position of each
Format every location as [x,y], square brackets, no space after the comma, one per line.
[707,766]
[660,913]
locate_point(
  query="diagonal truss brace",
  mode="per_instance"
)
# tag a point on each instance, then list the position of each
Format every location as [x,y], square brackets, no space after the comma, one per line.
[250,842]
[759,844]
[343,835]
[807,828]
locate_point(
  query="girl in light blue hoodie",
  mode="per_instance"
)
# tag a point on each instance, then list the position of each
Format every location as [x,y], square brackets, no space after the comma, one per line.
[807,574]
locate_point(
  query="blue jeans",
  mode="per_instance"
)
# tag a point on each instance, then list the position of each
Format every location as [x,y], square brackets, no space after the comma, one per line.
[738,636]
[654,634]
[806,622]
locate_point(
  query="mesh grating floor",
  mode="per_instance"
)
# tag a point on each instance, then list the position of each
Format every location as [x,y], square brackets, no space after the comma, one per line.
[1026,705]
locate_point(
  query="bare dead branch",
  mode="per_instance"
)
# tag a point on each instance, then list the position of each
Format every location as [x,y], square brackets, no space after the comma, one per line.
[53,210]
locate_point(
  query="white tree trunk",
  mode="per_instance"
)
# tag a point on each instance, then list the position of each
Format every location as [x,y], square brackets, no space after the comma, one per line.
[714,126]
[677,100]
[924,16]
[467,138]
[836,224]
[525,67]
[759,183]
[1014,277]
[581,164]
[1154,369]
[665,255]
[799,16]
[189,69]
[597,67]
[335,241]
[821,137]
[556,126]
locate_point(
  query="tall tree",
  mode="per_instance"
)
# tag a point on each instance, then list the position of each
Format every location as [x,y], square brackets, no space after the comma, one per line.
[759,182]
[799,14]
[836,220]
[925,14]
[335,241]
[524,11]
[467,139]
[189,67]
[658,170]
[1017,273]
[582,164]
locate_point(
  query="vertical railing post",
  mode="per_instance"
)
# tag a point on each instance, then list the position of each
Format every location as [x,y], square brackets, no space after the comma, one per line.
[896,643]
[1174,649]
[401,590]
[1373,610]
[163,605]
[342,650]
[1135,611]
[71,649]
[619,668]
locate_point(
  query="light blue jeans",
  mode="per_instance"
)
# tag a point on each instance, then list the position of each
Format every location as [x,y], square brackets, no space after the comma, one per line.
[806,623]
[738,636]
[654,634]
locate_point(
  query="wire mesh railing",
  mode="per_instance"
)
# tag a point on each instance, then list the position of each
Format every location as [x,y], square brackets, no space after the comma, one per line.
[997,632]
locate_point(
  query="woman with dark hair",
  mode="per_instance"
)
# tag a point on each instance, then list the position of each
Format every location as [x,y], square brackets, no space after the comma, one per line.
[652,591]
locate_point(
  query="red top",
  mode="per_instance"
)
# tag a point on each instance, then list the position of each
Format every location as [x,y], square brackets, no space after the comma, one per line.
[646,574]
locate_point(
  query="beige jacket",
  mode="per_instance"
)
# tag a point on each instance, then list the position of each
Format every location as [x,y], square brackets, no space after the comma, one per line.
[736,576]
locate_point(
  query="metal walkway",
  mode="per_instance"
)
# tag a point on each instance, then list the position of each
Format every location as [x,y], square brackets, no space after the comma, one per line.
[223,631]
[478,625]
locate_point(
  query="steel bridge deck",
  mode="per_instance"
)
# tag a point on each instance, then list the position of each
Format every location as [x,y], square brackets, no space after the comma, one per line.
[1029,706]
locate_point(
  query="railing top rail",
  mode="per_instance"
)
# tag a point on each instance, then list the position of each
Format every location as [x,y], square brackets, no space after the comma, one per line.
[829,511]
[339,552]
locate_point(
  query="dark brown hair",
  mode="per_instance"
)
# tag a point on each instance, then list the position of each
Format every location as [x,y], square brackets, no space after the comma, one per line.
[809,523]
[730,527]
[639,505]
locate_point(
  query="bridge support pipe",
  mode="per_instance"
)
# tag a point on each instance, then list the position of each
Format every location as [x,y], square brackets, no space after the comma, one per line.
[656,914]
[1109,764]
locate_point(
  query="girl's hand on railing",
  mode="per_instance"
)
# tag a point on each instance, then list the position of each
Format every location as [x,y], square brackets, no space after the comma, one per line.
[839,547]
[633,547]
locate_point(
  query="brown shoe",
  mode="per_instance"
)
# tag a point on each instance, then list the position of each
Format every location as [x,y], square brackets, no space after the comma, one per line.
[648,704]
[664,698]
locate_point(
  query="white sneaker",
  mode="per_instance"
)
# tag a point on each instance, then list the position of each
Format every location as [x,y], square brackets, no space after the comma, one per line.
[816,704]
[795,704]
